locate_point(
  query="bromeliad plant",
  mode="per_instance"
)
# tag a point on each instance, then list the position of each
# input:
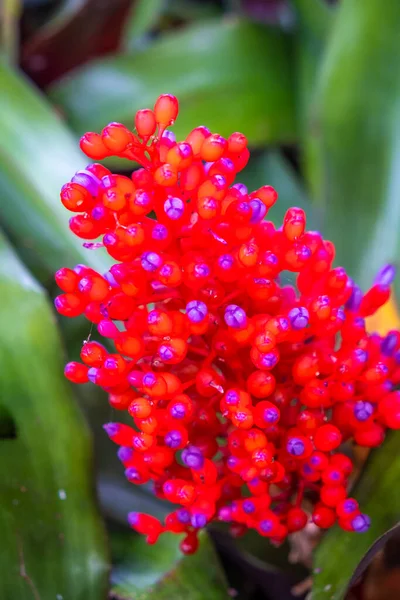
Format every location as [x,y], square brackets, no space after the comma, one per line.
[241,389]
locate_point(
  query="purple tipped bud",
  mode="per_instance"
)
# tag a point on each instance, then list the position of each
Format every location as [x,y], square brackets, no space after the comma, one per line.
[108,181]
[225,514]
[226,261]
[350,505]
[361,523]
[183,515]
[111,429]
[149,379]
[174,208]
[295,447]
[361,355]
[198,520]
[151,261]
[259,210]
[269,360]
[125,453]
[299,317]
[97,214]
[196,311]
[142,199]
[173,439]
[241,188]
[93,374]
[178,411]
[386,275]
[271,415]
[389,344]
[167,133]
[132,474]
[248,507]
[133,518]
[266,525]
[159,232]
[363,410]
[232,397]
[235,316]
[201,270]
[87,180]
[165,352]
[341,315]
[193,458]
[353,303]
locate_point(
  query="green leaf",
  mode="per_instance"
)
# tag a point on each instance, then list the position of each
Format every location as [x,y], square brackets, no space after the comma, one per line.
[161,572]
[379,496]
[37,156]
[143,17]
[230,75]
[314,23]
[357,128]
[53,543]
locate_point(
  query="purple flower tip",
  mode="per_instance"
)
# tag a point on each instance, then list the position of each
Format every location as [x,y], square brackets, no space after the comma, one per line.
[269,360]
[125,453]
[196,311]
[259,210]
[174,208]
[87,180]
[178,411]
[198,520]
[361,523]
[183,515]
[389,344]
[165,352]
[354,301]
[150,261]
[241,188]
[271,415]
[111,428]
[173,439]
[248,507]
[266,525]
[132,474]
[350,505]
[192,457]
[133,518]
[235,316]
[92,374]
[386,275]
[226,261]
[159,232]
[295,447]
[363,410]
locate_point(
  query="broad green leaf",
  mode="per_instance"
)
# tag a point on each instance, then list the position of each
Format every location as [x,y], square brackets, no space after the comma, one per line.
[230,75]
[37,156]
[357,128]
[314,21]
[53,543]
[379,496]
[161,572]
[144,15]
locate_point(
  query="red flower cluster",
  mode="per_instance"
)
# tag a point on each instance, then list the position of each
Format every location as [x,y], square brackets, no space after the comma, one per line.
[241,390]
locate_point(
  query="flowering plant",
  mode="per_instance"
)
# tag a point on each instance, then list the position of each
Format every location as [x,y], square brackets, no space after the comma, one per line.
[241,389]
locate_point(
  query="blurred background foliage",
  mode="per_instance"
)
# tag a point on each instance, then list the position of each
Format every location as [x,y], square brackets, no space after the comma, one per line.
[315,86]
